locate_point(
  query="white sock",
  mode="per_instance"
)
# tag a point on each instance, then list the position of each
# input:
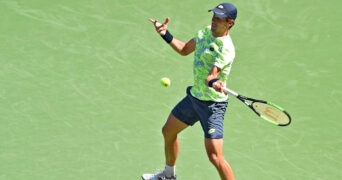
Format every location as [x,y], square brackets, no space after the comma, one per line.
[170,171]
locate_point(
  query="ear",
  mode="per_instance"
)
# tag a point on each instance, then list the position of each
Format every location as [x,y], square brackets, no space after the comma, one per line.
[231,23]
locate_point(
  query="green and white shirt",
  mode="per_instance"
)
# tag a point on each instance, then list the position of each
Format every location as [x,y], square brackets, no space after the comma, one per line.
[211,51]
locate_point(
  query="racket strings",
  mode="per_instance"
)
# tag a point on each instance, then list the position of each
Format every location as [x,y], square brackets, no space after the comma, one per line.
[271,113]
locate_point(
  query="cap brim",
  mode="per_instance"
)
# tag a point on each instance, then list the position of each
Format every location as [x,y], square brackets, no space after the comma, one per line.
[218,13]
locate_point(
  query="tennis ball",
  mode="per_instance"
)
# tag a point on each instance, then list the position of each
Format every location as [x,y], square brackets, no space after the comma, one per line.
[165,81]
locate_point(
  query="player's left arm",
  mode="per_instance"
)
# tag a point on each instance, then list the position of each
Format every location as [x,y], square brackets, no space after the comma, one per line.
[183,48]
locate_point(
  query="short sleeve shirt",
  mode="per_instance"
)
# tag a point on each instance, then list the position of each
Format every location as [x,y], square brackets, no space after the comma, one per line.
[211,51]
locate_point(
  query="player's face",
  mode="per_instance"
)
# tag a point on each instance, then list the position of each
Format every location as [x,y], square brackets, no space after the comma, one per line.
[219,26]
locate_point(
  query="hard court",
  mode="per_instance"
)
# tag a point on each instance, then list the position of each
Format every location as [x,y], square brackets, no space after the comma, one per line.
[80,93]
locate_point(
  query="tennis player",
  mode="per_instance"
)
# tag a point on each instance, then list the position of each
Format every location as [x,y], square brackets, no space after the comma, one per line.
[213,57]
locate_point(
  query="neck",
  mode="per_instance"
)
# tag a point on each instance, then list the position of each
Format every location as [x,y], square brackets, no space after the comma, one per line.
[216,34]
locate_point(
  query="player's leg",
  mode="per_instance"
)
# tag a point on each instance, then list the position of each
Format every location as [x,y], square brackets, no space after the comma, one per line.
[212,116]
[182,116]
[214,148]
[170,130]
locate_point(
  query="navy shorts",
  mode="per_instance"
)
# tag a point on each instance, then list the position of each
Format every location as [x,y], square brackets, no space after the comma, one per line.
[210,114]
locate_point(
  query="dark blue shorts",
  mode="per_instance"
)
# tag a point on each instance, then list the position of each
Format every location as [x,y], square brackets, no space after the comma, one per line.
[211,114]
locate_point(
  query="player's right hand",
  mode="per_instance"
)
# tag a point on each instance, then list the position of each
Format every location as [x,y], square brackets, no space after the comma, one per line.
[218,86]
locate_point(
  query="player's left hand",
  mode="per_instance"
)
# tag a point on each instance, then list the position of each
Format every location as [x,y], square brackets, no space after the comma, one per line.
[160,28]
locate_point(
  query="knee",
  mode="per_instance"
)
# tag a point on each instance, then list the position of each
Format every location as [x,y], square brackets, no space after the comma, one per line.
[215,159]
[164,131]
[168,134]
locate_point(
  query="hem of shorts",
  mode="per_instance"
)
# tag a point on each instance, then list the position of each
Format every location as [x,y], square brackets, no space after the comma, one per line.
[181,119]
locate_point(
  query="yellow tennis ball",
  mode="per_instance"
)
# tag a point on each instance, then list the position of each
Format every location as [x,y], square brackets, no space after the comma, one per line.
[165,81]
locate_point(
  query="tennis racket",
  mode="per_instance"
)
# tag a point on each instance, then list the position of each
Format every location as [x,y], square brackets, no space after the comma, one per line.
[268,111]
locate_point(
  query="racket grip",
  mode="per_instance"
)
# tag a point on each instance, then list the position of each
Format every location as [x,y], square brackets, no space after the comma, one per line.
[226,91]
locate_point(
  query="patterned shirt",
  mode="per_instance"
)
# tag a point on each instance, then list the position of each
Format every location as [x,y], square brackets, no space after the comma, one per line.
[211,51]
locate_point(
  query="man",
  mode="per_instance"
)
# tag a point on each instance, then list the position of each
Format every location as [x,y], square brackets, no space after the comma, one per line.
[205,101]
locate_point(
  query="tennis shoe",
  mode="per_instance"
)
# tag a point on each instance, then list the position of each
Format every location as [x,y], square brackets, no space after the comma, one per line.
[157,176]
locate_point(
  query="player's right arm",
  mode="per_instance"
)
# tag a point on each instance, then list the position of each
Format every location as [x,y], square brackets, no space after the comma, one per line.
[179,46]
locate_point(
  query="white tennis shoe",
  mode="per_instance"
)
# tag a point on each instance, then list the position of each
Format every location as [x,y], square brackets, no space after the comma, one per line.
[157,176]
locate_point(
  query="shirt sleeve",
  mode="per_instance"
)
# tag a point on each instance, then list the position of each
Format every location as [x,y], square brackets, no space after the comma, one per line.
[222,56]
[199,35]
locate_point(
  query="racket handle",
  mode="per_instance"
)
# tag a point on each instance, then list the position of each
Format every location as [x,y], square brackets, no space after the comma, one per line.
[226,91]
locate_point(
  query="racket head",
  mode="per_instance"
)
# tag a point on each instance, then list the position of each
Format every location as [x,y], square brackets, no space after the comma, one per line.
[271,113]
